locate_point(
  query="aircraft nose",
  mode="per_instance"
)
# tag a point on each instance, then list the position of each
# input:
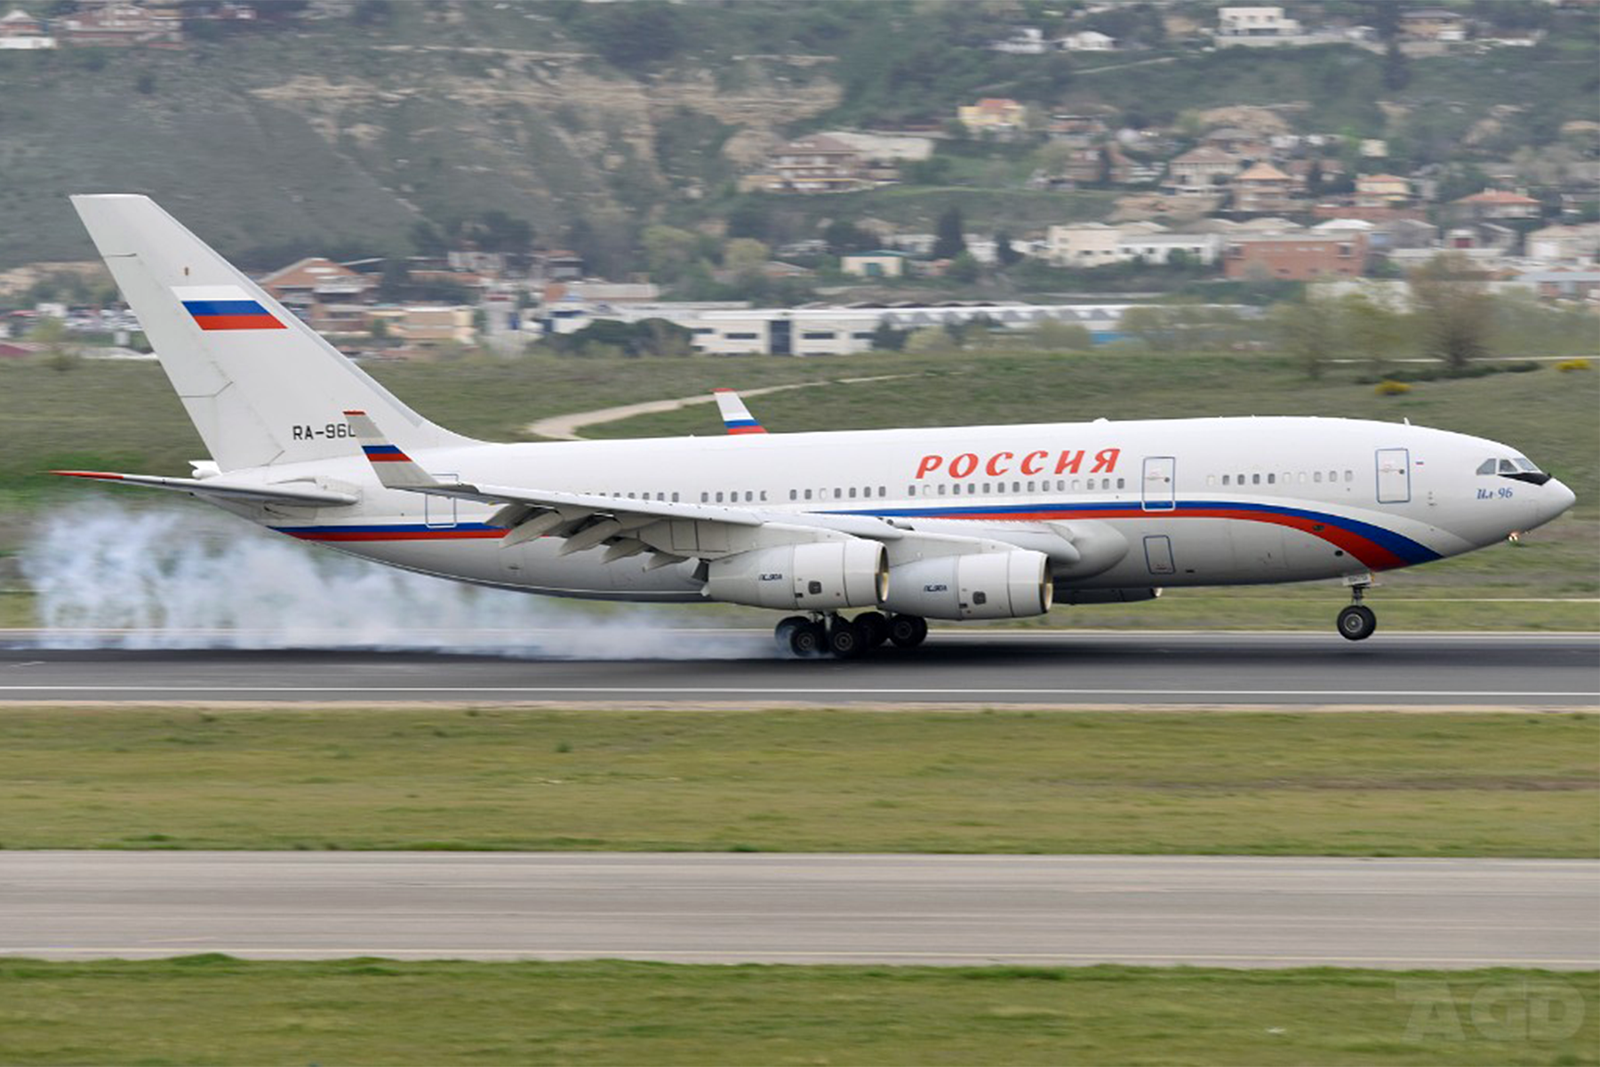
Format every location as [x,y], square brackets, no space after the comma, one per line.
[1554,499]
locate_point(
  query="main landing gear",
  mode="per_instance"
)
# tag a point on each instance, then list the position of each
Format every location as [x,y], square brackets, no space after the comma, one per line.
[1357,621]
[831,634]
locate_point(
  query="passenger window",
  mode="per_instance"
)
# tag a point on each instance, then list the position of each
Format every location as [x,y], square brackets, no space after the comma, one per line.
[1076,485]
[674,498]
[719,497]
[941,489]
[1333,476]
[704,497]
[1349,476]
[763,496]
[986,487]
[1302,477]
[1316,476]
[1225,479]
[1272,479]
[883,491]
[794,494]
[808,494]
[1255,479]
[838,493]
[972,487]
[1122,483]
[1030,487]
[852,492]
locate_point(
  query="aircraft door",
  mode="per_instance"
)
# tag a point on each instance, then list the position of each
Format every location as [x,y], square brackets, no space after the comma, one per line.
[1394,475]
[1160,483]
[1158,554]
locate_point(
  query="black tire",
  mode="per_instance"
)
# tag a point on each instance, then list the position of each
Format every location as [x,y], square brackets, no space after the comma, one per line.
[908,631]
[874,626]
[783,633]
[846,640]
[1357,622]
[807,640]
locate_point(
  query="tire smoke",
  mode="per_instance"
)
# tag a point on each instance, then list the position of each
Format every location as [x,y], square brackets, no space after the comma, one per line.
[177,577]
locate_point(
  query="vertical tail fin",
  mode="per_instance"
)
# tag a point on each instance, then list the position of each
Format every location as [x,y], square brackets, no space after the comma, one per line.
[735,416]
[260,385]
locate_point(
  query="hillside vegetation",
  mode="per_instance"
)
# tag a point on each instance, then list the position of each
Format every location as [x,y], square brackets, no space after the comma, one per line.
[590,120]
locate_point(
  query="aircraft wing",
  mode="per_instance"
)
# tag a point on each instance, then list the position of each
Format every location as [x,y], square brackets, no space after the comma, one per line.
[627,525]
[298,494]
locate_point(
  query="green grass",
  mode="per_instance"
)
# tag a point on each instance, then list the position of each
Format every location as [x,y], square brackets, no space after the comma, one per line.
[829,780]
[219,1010]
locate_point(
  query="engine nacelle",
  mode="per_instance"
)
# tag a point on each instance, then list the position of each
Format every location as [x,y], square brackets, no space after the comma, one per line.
[816,576]
[978,585]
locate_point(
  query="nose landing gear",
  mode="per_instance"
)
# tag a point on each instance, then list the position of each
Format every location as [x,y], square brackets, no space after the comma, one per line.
[1357,621]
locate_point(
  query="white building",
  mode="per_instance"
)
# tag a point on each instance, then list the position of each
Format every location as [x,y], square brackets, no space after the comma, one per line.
[1255,22]
[1086,41]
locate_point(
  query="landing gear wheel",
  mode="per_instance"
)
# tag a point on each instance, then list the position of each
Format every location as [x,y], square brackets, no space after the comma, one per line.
[783,633]
[874,626]
[908,631]
[846,640]
[1357,622]
[807,640]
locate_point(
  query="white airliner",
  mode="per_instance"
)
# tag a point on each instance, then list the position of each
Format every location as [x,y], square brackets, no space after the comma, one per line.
[971,522]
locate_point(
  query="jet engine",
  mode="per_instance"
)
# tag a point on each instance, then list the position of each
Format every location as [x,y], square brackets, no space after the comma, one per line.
[816,576]
[978,585]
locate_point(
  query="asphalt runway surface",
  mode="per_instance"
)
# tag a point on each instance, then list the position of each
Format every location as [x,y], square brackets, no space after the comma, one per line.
[976,667]
[722,908]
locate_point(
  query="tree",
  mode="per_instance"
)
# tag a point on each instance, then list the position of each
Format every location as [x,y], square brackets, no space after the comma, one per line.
[394,281]
[1004,251]
[1454,314]
[427,239]
[949,241]
[844,237]
[1053,335]
[668,251]
[1305,330]
[745,256]
[1396,68]
[886,338]
[964,268]
[1370,331]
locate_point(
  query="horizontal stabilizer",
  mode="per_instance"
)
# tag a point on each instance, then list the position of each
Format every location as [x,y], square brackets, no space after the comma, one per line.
[281,493]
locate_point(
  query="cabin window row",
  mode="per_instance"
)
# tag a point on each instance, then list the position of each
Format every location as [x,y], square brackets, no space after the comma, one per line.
[1287,478]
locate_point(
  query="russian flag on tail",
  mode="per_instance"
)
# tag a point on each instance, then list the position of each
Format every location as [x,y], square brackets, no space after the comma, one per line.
[225,307]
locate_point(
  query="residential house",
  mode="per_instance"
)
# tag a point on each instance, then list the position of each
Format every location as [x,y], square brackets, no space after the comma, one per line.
[1555,243]
[1237,142]
[883,263]
[1564,284]
[436,324]
[1382,190]
[1433,24]
[993,113]
[1255,22]
[556,264]
[1263,188]
[814,164]
[1159,248]
[1199,171]
[1295,256]
[314,280]
[1086,41]
[1084,244]
[120,25]
[1079,131]
[1494,205]
[1024,41]
[20,31]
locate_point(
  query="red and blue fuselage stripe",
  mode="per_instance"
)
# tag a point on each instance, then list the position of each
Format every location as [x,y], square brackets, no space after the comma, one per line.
[231,315]
[1374,546]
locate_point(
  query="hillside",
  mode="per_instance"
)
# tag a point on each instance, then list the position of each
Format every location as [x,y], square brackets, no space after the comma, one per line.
[588,120]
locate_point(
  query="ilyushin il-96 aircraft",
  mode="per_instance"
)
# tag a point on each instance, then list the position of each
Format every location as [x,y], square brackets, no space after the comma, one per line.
[899,526]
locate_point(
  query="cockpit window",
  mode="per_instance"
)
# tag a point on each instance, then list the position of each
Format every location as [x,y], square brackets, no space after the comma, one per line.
[1521,469]
[1528,465]
[1507,467]
[1486,467]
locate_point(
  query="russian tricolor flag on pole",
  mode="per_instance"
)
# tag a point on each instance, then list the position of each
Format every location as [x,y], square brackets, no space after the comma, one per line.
[225,307]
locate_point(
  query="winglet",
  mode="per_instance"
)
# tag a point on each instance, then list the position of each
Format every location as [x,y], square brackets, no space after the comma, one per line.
[395,469]
[735,416]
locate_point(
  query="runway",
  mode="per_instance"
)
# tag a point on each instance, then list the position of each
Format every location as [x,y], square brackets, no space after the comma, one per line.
[977,667]
[722,908]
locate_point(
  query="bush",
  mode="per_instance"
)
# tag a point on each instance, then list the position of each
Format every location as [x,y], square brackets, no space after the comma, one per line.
[1572,364]
[1390,387]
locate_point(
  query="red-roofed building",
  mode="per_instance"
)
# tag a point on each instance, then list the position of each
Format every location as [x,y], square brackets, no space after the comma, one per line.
[1263,188]
[1296,257]
[1493,205]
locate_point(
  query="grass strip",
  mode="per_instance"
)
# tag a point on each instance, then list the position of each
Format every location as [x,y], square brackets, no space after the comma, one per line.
[1011,781]
[218,1010]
